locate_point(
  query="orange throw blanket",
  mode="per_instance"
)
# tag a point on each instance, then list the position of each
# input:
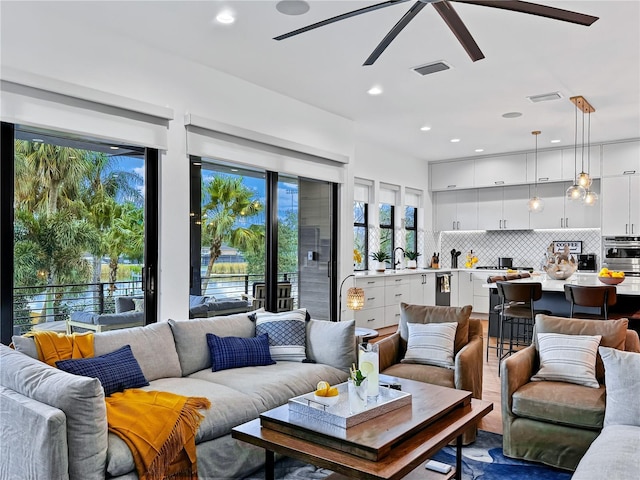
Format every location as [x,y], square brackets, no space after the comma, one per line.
[159,427]
[53,346]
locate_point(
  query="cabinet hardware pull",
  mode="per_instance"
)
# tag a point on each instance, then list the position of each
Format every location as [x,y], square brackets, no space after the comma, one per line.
[500,224]
[398,295]
[629,172]
[562,223]
[398,280]
[505,224]
[458,225]
[626,228]
[543,179]
[397,314]
[632,227]
[499,182]
[370,298]
[371,319]
[369,283]
[451,186]
[453,225]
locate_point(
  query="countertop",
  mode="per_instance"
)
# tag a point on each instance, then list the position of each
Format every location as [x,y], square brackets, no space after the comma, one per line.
[630,285]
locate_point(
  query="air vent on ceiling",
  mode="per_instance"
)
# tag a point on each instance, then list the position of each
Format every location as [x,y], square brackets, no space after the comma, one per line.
[545,97]
[432,68]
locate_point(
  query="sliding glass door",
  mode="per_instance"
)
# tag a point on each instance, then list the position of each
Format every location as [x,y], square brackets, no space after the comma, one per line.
[84,225]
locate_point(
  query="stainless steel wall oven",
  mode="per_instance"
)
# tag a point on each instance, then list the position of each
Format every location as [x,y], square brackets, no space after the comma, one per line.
[622,253]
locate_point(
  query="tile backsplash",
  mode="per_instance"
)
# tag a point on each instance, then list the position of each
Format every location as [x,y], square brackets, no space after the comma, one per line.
[526,247]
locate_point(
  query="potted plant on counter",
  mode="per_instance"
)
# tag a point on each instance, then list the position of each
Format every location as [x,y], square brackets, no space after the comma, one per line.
[413,259]
[379,258]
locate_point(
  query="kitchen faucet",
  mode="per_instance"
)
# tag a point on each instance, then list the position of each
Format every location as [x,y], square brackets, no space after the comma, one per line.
[395,264]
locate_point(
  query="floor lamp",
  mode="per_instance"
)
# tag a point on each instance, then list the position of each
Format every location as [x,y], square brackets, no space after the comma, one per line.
[355,298]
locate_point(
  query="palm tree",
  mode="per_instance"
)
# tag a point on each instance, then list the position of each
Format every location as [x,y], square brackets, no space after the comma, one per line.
[125,236]
[229,200]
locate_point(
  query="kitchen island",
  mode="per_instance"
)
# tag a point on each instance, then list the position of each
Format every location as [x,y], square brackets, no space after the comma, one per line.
[553,298]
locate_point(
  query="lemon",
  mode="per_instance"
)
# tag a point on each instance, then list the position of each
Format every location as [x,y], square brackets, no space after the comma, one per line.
[322,388]
[366,367]
[332,392]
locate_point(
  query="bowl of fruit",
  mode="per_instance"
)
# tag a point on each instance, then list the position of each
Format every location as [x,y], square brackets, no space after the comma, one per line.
[610,277]
[326,394]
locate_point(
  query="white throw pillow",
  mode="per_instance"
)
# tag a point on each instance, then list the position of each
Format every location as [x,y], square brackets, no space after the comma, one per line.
[568,358]
[287,333]
[622,379]
[431,344]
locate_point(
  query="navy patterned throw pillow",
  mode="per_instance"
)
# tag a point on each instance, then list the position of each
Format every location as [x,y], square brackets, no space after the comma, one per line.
[116,370]
[237,352]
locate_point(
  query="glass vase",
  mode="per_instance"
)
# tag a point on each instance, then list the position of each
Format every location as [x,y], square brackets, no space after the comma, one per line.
[369,365]
[357,396]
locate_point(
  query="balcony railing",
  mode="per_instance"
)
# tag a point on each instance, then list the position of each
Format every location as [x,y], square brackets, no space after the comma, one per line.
[35,305]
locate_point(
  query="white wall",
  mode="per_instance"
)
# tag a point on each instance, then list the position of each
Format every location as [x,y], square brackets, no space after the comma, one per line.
[77,54]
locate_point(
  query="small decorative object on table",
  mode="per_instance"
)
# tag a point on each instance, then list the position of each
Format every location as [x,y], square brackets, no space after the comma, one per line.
[369,364]
[357,391]
[471,261]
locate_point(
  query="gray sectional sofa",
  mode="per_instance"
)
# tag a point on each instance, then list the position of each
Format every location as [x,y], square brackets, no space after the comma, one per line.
[53,424]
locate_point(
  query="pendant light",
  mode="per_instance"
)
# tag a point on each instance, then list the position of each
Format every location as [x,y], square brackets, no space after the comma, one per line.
[591,197]
[584,180]
[576,192]
[536,204]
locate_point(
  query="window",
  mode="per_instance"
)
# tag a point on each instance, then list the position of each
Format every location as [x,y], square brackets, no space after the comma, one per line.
[411,228]
[360,236]
[386,229]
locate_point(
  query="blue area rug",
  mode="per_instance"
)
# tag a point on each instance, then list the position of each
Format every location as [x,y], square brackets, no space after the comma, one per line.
[483,460]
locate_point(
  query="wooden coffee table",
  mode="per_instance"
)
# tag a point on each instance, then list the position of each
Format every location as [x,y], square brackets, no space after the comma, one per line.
[402,439]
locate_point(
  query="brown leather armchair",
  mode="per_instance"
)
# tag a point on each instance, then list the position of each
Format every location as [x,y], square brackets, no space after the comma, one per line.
[555,422]
[467,371]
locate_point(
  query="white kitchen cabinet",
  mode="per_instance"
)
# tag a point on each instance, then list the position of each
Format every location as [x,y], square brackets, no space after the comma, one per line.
[423,289]
[549,166]
[480,294]
[382,298]
[621,205]
[621,159]
[503,208]
[571,166]
[452,175]
[464,283]
[560,212]
[456,210]
[503,170]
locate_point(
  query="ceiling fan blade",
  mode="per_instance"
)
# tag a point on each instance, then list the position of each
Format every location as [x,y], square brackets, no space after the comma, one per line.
[393,33]
[535,9]
[337,18]
[449,15]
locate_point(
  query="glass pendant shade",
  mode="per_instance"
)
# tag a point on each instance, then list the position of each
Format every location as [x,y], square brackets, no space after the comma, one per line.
[355,298]
[590,198]
[576,193]
[536,205]
[584,180]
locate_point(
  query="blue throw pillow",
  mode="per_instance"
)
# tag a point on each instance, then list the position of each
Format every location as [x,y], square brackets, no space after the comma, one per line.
[116,370]
[236,352]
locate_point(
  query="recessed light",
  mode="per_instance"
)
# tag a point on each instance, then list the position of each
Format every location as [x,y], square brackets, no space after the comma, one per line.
[376,90]
[197,164]
[512,115]
[455,140]
[114,148]
[292,7]
[37,140]
[478,150]
[234,170]
[425,128]
[557,140]
[225,17]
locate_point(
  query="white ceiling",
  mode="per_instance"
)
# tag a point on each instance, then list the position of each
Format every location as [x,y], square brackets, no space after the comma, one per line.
[525,55]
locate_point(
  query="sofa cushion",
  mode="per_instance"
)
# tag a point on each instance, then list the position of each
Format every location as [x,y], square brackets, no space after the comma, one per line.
[292,379]
[287,333]
[613,332]
[195,300]
[435,314]
[125,303]
[561,403]
[568,358]
[152,345]
[444,377]
[220,304]
[613,454]
[622,379]
[237,352]
[26,345]
[332,343]
[431,344]
[116,370]
[191,341]
[80,398]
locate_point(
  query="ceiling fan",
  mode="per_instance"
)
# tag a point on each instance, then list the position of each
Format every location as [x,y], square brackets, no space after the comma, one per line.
[451,18]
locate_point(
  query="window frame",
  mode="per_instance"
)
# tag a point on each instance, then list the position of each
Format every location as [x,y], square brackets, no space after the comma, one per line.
[414,229]
[390,227]
[364,225]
